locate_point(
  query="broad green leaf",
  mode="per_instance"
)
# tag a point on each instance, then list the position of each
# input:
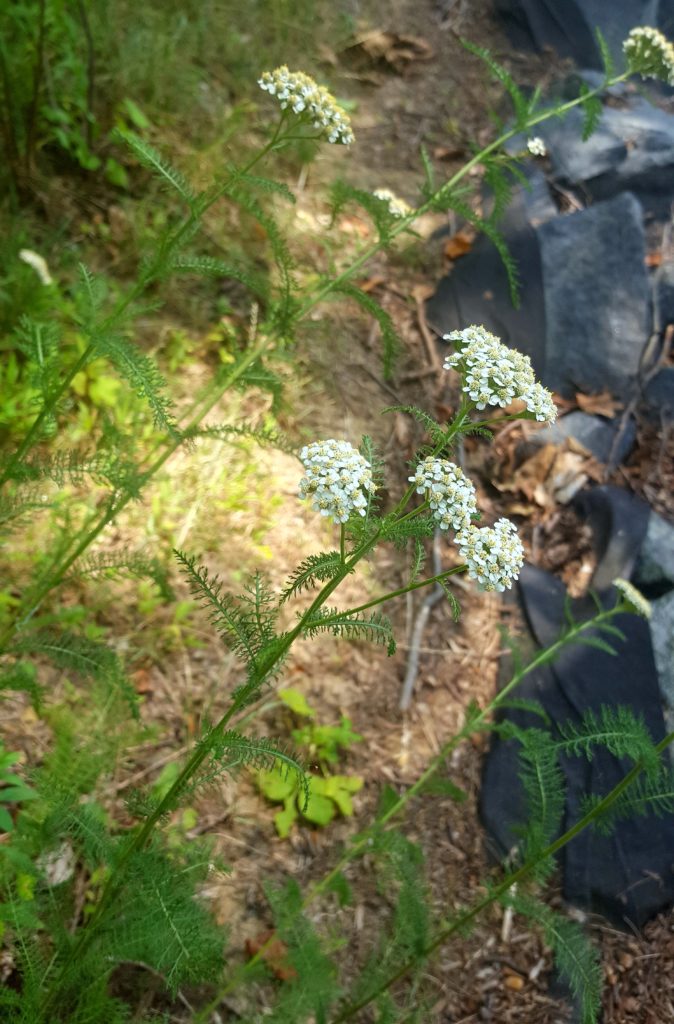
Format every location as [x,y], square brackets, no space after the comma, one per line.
[297,702]
[276,786]
[286,818]
[320,810]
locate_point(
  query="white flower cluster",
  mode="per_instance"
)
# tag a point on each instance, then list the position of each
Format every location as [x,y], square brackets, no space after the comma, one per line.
[494,555]
[450,494]
[397,207]
[337,479]
[494,374]
[536,146]
[633,598]
[303,95]
[650,54]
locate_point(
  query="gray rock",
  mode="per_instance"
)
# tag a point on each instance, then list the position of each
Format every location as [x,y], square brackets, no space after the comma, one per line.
[632,149]
[659,394]
[597,434]
[596,297]
[662,638]
[477,292]
[663,290]
[656,557]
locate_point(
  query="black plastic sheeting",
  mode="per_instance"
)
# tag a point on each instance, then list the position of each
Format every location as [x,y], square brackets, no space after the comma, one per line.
[628,877]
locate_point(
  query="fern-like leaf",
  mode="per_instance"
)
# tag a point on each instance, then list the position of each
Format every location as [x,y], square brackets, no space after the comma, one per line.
[617,729]
[208,266]
[434,430]
[651,794]
[519,100]
[313,570]
[605,54]
[592,109]
[575,956]
[376,627]
[391,341]
[246,622]
[113,564]
[342,193]
[143,375]
[149,157]
[266,437]
[232,750]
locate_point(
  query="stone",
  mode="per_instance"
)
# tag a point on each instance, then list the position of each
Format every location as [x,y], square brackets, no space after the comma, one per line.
[632,149]
[477,291]
[662,637]
[597,434]
[655,564]
[596,297]
[663,292]
[659,394]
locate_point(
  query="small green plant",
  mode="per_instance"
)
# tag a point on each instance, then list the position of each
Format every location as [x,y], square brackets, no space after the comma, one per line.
[328,794]
[13,790]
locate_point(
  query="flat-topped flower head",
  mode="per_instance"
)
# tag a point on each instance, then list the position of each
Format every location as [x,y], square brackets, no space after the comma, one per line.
[397,207]
[495,555]
[650,54]
[494,374]
[338,479]
[300,93]
[450,494]
[536,146]
[633,598]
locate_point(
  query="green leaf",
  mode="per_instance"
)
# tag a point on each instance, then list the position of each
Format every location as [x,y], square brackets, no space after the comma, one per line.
[154,161]
[319,810]
[297,702]
[275,785]
[285,819]
[341,888]
[444,787]
[135,114]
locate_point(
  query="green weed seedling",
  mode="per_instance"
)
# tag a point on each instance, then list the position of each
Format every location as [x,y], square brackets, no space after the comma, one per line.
[328,795]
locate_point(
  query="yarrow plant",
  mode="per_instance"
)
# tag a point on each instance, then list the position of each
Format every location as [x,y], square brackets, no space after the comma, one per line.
[536,146]
[494,374]
[396,206]
[338,481]
[143,903]
[634,598]
[450,494]
[494,556]
[650,54]
[311,102]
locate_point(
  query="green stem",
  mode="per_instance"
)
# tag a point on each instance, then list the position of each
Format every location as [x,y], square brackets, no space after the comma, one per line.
[500,890]
[395,593]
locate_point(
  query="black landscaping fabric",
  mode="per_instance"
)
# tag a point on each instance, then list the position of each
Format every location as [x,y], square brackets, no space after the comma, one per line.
[629,876]
[568,26]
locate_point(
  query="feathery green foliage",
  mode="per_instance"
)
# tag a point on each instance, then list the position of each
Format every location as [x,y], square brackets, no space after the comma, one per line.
[392,344]
[376,627]
[313,570]
[575,957]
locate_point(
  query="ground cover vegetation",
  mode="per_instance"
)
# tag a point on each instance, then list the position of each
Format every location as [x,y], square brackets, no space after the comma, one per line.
[90,418]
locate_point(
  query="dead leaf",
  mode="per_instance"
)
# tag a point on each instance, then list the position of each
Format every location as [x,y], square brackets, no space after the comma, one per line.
[459,244]
[275,954]
[602,404]
[449,152]
[390,50]
[371,283]
[653,259]
[142,681]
